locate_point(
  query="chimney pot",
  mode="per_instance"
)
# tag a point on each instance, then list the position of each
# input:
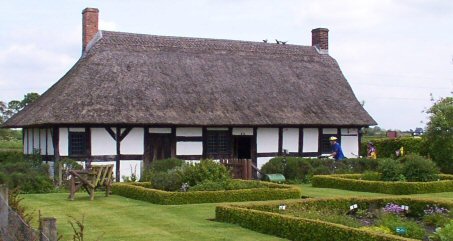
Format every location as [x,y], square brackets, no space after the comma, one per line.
[90,17]
[320,39]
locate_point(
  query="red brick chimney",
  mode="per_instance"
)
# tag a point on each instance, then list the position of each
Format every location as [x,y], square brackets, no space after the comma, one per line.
[320,39]
[90,18]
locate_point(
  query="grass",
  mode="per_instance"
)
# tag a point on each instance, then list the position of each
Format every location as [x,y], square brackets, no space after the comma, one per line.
[11,145]
[309,191]
[118,218]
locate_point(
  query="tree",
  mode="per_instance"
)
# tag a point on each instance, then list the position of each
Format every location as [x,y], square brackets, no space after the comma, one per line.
[14,106]
[439,133]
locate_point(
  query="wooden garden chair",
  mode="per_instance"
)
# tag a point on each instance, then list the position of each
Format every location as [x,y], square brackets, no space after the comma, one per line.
[98,175]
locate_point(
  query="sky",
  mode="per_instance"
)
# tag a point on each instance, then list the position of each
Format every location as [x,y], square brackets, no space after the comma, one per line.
[395,54]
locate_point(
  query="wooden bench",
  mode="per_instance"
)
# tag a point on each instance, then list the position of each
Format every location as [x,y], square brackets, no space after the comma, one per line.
[97,176]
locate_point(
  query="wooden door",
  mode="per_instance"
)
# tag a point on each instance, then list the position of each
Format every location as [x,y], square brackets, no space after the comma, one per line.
[160,146]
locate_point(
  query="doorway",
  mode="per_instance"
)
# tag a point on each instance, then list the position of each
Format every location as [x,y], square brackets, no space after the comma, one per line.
[160,146]
[243,147]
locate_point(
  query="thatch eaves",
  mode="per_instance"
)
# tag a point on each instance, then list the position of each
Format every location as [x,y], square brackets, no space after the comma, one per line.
[135,79]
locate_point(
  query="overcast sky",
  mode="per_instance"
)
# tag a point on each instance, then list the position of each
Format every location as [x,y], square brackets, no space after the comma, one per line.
[393,53]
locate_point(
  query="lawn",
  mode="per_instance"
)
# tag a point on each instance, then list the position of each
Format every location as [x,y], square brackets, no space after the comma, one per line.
[118,218]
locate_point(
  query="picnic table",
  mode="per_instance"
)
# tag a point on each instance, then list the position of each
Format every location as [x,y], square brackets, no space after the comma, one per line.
[91,179]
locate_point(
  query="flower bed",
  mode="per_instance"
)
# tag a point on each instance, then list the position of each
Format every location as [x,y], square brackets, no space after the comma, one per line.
[269,191]
[355,183]
[354,219]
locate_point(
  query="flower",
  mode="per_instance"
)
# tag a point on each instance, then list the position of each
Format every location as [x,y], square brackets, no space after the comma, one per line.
[434,209]
[393,208]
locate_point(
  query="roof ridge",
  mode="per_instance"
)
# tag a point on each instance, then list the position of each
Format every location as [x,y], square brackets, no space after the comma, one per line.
[110,38]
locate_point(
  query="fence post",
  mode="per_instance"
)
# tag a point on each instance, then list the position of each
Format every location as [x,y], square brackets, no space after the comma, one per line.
[48,227]
[4,213]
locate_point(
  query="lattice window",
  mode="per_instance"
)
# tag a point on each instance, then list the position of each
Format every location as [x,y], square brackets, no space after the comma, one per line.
[77,143]
[218,143]
[326,148]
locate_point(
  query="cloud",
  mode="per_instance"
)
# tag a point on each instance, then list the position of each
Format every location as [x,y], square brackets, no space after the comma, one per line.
[27,68]
[107,25]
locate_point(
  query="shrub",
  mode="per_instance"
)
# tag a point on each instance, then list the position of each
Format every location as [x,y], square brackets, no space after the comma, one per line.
[352,182]
[165,164]
[371,176]
[390,170]
[274,165]
[445,233]
[226,185]
[29,175]
[271,191]
[418,169]
[167,181]
[393,221]
[301,169]
[386,147]
[267,218]
[206,170]
[298,169]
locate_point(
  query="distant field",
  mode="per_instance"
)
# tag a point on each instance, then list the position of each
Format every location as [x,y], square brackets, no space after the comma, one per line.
[10,145]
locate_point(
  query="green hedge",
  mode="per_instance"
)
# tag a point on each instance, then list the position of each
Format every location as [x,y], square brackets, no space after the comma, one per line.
[386,147]
[353,182]
[263,218]
[140,192]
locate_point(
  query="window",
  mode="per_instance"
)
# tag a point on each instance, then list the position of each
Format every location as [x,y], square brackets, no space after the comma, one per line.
[218,143]
[326,148]
[77,143]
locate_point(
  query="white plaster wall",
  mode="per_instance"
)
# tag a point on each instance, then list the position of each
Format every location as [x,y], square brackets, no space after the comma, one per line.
[63,139]
[349,131]
[189,131]
[49,143]
[25,147]
[267,140]
[310,140]
[291,139]
[189,148]
[102,143]
[127,167]
[36,139]
[350,144]
[260,161]
[160,130]
[30,141]
[133,142]
[332,131]
[43,147]
[242,131]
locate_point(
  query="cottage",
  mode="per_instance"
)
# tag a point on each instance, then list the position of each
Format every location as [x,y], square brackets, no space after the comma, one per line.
[137,97]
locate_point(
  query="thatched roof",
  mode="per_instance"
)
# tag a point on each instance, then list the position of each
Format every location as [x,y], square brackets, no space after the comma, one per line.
[135,79]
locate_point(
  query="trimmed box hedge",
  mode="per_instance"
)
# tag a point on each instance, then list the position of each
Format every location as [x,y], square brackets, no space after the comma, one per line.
[353,182]
[143,192]
[264,218]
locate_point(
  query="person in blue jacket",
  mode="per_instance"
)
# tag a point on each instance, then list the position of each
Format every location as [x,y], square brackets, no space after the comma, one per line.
[337,152]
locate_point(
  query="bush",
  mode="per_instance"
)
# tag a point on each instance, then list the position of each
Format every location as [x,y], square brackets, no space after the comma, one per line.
[298,169]
[167,181]
[301,169]
[353,182]
[445,233]
[270,191]
[29,175]
[226,185]
[419,169]
[386,147]
[165,164]
[394,221]
[206,170]
[390,170]
[267,218]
